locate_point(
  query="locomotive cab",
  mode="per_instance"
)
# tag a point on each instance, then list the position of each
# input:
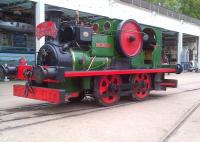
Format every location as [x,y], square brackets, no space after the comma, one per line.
[149,44]
[75,35]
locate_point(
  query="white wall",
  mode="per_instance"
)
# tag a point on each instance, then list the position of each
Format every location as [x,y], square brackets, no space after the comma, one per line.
[120,10]
[40,17]
[117,9]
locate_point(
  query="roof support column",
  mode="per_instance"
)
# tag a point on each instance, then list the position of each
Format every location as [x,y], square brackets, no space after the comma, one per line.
[180,47]
[198,52]
[39,18]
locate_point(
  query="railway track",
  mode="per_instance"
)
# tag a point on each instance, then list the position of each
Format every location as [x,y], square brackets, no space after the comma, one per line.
[56,116]
[180,122]
[49,113]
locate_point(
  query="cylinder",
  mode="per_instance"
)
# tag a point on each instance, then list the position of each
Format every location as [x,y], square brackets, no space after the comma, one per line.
[40,73]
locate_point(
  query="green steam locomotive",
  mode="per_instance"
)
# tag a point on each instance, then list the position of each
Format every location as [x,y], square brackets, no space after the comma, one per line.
[108,60]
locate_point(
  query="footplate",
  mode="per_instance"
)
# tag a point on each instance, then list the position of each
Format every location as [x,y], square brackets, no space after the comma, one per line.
[38,93]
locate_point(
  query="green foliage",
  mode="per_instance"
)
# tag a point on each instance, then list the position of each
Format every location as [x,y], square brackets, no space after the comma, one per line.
[191,8]
[188,7]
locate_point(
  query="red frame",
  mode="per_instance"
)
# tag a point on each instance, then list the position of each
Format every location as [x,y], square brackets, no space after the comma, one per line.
[116,72]
[58,96]
[70,74]
[168,84]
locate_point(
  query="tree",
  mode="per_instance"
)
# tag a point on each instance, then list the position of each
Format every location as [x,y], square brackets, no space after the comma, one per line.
[191,8]
[187,7]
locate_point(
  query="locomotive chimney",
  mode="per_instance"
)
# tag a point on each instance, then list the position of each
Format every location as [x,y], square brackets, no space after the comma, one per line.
[55,15]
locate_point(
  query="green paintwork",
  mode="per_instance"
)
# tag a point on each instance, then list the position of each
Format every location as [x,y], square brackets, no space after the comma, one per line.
[168,66]
[86,83]
[73,84]
[138,62]
[83,61]
[103,51]
[114,24]
[157,51]
[70,85]
[156,57]
[101,56]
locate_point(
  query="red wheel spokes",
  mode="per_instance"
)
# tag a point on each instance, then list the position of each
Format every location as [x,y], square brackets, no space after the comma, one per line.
[111,96]
[115,80]
[142,85]
[103,85]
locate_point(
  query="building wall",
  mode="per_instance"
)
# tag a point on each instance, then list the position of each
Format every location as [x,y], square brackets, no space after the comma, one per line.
[121,10]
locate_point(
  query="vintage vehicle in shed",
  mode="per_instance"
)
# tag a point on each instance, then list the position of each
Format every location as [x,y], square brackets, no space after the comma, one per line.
[108,60]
